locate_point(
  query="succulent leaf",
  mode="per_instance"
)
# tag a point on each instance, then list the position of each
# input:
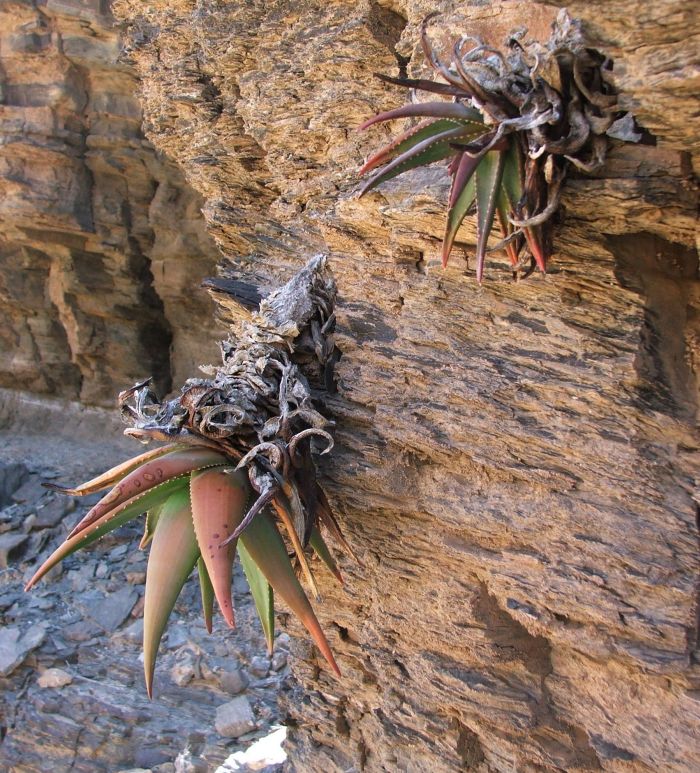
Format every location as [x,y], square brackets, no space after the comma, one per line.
[111,477]
[436,148]
[108,522]
[503,210]
[424,85]
[513,174]
[462,197]
[219,498]
[488,177]
[207,593]
[535,241]
[150,526]
[266,548]
[148,475]
[453,110]
[171,559]
[263,595]
[405,141]
[284,511]
[324,553]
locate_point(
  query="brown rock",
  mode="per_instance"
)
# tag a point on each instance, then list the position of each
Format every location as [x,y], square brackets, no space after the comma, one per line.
[54,677]
[102,246]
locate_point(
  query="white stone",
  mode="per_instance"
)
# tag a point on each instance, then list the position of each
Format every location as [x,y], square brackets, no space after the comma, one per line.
[259,755]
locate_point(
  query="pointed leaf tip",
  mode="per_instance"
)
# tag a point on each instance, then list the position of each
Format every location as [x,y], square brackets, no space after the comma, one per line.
[462,195]
[488,176]
[219,500]
[263,542]
[111,520]
[172,557]
[110,477]
[324,553]
[263,595]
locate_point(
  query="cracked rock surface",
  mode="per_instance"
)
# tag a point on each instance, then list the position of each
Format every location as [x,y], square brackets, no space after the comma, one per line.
[102,246]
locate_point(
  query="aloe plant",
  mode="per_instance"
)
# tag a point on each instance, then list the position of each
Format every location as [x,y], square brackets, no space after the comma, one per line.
[236,472]
[517,120]
[194,499]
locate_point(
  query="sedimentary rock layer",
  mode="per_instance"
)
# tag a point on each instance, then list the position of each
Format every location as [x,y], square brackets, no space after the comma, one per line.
[102,245]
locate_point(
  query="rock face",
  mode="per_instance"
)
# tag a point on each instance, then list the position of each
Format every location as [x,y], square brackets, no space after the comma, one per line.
[515,463]
[102,245]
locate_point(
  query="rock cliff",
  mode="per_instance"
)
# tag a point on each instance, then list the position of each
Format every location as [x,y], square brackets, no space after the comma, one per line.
[516,463]
[102,245]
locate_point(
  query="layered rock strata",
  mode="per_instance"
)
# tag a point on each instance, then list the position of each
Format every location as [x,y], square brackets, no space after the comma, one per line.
[102,245]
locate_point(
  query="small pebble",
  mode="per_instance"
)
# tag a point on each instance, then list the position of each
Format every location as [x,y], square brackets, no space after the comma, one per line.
[259,667]
[136,578]
[233,681]
[102,570]
[54,677]
[235,718]
[279,661]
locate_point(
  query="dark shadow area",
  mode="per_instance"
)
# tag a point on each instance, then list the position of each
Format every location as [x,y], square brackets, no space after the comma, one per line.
[665,274]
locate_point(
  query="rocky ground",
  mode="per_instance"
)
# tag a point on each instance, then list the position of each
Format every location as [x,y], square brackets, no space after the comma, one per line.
[71,681]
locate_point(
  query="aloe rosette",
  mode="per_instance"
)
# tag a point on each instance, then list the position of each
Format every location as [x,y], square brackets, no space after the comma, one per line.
[516,121]
[491,180]
[194,500]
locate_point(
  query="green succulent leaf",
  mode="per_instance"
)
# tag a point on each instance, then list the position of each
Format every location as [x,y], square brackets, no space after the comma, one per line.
[150,526]
[263,595]
[407,140]
[454,110]
[266,548]
[207,592]
[324,553]
[171,559]
[435,148]
[503,209]
[462,195]
[513,174]
[488,177]
[110,521]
